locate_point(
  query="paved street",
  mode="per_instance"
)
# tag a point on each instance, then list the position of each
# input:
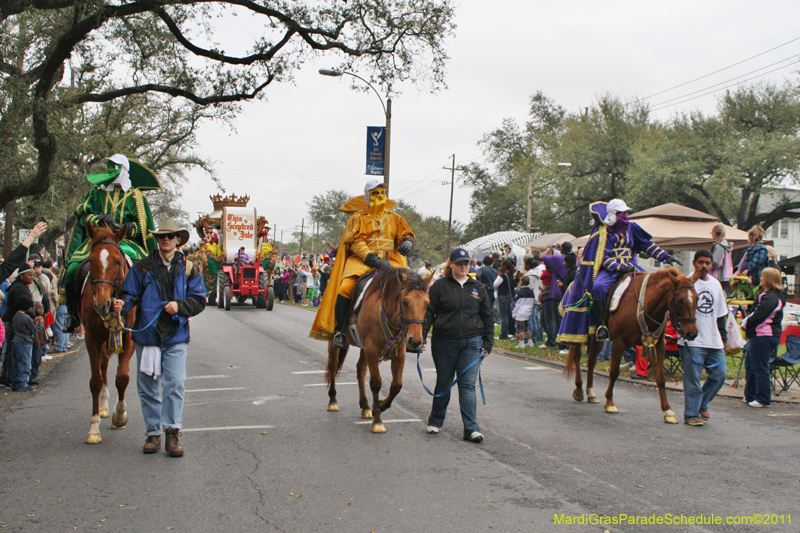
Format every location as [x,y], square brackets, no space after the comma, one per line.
[263,454]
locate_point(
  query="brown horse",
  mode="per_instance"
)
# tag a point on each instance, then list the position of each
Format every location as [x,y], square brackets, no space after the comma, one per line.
[393,308]
[667,291]
[108,268]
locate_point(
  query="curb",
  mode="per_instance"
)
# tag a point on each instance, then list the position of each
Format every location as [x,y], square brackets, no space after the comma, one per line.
[559,364]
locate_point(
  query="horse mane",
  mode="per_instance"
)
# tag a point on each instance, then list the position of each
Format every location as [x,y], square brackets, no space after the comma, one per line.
[392,281]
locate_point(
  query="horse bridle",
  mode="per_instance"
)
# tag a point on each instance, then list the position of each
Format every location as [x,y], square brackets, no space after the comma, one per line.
[116,283]
[404,321]
[676,321]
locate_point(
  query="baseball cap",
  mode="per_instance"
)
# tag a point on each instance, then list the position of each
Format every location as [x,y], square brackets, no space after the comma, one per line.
[458,255]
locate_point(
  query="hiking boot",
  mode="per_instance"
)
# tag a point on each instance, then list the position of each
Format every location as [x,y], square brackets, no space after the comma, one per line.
[152,444]
[173,447]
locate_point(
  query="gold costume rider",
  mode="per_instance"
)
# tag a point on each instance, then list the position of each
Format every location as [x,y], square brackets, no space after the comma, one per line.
[374,237]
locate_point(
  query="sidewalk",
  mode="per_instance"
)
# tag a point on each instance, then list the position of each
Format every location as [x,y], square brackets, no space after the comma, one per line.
[790,396]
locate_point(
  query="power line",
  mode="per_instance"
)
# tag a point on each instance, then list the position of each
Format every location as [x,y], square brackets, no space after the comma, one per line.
[716,71]
[715,90]
[731,79]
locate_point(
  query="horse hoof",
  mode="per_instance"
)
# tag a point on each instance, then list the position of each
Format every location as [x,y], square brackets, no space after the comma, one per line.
[611,409]
[333,406]
[119,423]
[93,438]
[378,428]
[592,399]
[670,418]
[104,413]
[366,413]
[577,395]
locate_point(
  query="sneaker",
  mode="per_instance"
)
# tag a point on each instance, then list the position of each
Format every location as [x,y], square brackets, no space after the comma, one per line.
[47,357]
[542,346]
[475,436]
[433,430]
[745,400]
[79,337]
[705,415]
[520,344]
[693,422]
[565,351]
[529,344]
[637,376]
[756,403]
[625,366]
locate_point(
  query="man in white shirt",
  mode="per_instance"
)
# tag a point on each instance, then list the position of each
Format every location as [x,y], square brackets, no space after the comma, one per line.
[707,351]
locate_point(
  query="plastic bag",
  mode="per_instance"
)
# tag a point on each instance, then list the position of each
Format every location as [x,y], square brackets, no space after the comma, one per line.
[735,340]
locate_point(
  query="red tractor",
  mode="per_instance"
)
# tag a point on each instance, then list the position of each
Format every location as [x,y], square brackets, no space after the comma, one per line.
[242,282]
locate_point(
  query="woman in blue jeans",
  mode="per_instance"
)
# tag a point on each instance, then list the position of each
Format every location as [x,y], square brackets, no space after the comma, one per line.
[463,332]
[763,327]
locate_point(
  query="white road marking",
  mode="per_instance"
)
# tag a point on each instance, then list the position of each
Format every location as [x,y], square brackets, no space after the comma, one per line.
[104,258]
[265,399]
[429,370]
[325,384]
[535,368]
[214,390]
[208,377]
[787,414]
[225,428]
[399,420]
[309,372]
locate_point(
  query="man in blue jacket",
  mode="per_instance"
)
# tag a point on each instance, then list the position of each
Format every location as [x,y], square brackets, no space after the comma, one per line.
[166,291]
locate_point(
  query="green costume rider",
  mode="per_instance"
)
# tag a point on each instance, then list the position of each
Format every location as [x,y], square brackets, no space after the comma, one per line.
[116,200]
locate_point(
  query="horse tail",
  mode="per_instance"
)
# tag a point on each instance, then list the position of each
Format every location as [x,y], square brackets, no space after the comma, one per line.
[569,366]
[335,360]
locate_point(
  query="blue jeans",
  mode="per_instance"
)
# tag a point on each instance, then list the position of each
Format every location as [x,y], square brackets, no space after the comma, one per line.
[451,357]
[605,353]
[504,306]
[757,354]
[20,366]
[163,408]
[695,397]
[36,360]
[62,339]
[552,321]
[533,324]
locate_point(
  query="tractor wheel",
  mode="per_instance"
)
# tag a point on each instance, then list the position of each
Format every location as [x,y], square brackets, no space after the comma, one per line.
[261,299]
[222,278]
[270,299]
[227,292]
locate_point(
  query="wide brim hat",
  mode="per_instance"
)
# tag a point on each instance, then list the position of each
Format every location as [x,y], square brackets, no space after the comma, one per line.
[170,226]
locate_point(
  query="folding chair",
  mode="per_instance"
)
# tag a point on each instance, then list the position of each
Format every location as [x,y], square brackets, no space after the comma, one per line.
[784,370]
[672,363]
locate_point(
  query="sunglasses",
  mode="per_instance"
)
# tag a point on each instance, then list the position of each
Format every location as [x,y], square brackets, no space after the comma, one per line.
[37,264]
[169,236]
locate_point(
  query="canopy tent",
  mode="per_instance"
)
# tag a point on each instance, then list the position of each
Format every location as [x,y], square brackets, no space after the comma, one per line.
[548,239]
[675,227]
[495,241]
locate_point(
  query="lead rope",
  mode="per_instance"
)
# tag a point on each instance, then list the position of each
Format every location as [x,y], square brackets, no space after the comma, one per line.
[478,361]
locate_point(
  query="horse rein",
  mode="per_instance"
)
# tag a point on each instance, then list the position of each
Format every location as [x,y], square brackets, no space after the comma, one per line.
[661,324]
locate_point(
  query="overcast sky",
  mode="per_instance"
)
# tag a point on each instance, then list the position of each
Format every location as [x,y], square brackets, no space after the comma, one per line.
[310,137]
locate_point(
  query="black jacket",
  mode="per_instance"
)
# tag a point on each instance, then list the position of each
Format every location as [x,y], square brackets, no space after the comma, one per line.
[767,304]
[457,312]
[486,275]
[14,260]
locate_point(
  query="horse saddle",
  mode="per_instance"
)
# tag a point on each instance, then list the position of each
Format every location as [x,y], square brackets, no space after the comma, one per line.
[356,299]
[618,290]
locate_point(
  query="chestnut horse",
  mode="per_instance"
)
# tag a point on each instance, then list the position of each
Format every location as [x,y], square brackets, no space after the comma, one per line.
[667,291]
[108,268]
[388,322]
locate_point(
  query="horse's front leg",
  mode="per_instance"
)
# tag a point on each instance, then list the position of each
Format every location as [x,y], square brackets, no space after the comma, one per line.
[398,362]
[613,373]
[371,355]
[361,372]
[658,364]
[120,417]
[593,349]
[104,394]
[95,386]
[335,360]
[574,359]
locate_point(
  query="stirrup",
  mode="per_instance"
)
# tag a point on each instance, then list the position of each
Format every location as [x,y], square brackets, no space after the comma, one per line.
[70,325]
[602,334]
[340,340]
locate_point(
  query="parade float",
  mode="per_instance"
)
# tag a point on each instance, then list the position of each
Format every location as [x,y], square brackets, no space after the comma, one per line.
[228,274]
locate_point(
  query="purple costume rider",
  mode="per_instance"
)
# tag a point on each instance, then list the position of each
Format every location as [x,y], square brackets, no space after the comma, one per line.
[610,251]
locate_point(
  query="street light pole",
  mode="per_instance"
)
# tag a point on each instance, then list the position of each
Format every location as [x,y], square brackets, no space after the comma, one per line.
[387,112]
[531,179]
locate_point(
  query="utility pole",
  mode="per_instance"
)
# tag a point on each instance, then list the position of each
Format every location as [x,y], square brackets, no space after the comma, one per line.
[452,170]
[302,225]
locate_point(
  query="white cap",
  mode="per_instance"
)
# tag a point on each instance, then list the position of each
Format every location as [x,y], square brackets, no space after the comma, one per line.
[371,184]
[614,206]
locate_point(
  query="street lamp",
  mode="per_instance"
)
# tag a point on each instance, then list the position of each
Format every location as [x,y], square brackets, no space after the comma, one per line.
[387,111]
[531,179]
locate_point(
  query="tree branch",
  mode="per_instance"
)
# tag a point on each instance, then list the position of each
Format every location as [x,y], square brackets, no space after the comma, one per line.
[172,91]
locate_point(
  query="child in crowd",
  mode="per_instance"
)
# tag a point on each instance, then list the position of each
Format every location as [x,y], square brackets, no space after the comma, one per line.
[524,306]
[39,344]
[25,327]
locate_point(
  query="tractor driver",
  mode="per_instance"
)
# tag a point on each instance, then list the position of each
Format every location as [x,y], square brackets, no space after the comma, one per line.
[374,237]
